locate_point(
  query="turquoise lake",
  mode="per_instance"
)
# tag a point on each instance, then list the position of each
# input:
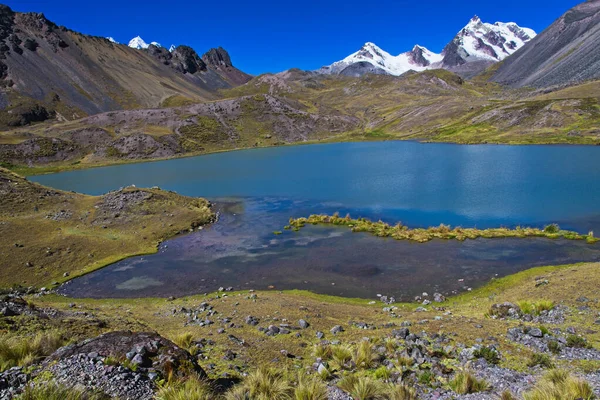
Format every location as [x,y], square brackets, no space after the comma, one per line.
[256,192]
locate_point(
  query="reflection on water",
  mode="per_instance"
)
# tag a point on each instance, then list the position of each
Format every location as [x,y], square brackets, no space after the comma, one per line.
[419,184]
[242,251]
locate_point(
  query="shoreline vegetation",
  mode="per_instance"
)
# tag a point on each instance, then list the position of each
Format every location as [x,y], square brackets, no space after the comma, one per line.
[443,232]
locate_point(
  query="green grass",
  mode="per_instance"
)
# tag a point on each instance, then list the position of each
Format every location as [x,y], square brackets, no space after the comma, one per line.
[577,341]
[560,385]
[489,354]
[540,359]
[401,232]
[464,382]
[51,391]
[362,388]
[309,388]
[23,351]
[535,307]
[190,389]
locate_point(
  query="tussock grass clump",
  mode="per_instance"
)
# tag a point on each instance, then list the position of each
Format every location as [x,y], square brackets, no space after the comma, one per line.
[190,389]
[490,354]
[341,355]
[401,392]
[383,373]
[464,382]
[362,388]
[310,389]
[322,351]
[184,340]
[507,395]
[535,307]
[560,385]
[543,360]
[402,232]
[554,347]
[577,341]
[261,384]
[364,356]
[23,351]
[50,391]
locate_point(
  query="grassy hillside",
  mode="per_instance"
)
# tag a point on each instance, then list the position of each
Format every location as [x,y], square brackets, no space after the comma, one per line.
[50,235]
[301,107]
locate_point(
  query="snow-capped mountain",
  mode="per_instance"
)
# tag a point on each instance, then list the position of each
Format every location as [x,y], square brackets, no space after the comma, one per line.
[139,43]
[112,40]
[483,41]
[477,41]
[418,59]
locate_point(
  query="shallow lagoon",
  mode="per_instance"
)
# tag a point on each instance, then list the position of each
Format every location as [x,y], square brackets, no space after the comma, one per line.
[256,191]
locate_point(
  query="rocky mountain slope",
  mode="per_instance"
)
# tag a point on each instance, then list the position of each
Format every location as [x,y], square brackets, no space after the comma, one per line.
[565,53]
[70,75]
[474,48]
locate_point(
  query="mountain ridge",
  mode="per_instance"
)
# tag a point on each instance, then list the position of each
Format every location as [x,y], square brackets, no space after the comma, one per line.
[478,43]
[65,72]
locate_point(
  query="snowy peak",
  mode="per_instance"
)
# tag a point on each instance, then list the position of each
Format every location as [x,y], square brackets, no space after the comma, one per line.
[376,60]
[477,41]
[138,43]
[484,41]
[111,39]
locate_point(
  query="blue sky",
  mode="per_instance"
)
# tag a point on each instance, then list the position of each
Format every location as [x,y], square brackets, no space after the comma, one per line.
[271,36]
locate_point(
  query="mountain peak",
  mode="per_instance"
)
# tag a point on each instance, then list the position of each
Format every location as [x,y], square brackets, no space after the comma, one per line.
[475,19]
[138,43]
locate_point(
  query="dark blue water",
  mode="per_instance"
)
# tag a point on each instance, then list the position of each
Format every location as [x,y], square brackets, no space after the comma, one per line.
[418,184]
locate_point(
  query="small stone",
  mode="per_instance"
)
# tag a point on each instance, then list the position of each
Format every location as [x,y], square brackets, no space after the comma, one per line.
[337,329]
[535,332]
[274,329]
[303,324]
[320,335]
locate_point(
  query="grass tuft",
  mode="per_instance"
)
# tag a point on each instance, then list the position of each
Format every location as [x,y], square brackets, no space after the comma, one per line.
[560,385]
[51,391]
[23,351]
[362,388]
[310,389]
[464,382]
[190,389]
[543,360]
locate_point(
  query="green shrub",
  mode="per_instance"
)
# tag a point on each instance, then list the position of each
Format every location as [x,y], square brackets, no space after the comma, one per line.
[489,354]
[426,377]
[552,228]
[543,360]
[577,341]
[464,382]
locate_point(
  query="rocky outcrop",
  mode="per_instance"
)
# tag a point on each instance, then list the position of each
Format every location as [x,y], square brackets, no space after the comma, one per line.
[144,349]
[565,53]
[218,59]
